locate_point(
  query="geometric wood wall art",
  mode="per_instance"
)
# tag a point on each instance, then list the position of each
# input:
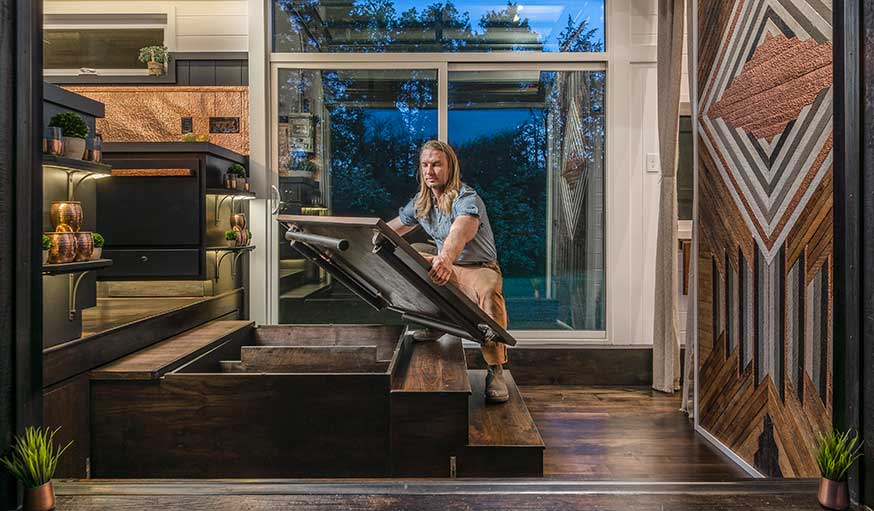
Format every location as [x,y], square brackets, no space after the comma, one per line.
[766,112]
[765,232]
[731,316]
[817,331]
[795,326]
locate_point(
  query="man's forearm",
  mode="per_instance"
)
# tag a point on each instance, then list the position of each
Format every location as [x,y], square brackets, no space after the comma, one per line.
[462,231]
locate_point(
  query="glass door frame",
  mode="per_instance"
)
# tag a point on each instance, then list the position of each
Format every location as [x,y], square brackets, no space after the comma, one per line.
[443,64]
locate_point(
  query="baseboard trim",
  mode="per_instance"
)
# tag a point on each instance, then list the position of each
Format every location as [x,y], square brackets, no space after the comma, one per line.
[742,463]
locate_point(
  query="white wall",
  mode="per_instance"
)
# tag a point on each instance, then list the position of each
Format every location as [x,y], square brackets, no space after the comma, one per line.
[633,193]
[192,25]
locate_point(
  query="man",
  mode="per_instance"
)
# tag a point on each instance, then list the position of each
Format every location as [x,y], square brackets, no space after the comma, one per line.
[453,215]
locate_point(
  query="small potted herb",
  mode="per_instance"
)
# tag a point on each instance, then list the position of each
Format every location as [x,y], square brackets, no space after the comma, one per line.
[241,175]
[248,237]
[155,57]
[74,130]
[46,246]
[231,238]
[98,245]
[32,461]
[836,454]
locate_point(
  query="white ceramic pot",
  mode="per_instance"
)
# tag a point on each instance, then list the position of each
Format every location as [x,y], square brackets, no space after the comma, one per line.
[232,243]
[45,256]
[74,147]
[97,253]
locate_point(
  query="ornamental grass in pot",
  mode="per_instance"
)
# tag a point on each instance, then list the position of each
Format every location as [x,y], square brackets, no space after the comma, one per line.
[32,461]
[836,454]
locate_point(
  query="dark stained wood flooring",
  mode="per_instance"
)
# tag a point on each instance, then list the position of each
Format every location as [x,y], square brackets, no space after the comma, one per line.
[757,495]
[621,433]
[114,312]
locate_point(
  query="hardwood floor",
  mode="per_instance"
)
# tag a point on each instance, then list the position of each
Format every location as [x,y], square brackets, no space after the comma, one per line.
[113,312]
[621,433]
[752,495]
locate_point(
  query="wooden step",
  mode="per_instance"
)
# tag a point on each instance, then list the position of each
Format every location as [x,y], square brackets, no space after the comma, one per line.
[311,359]
[503,438]
[384,337]
[153,362]
[429,409]
[434,366]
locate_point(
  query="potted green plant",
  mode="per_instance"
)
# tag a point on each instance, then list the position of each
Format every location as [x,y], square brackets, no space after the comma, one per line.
[46,246]
[74,130]
[241,175]
[249,237]
[836,454]
[231,238]
[98,245]
[32,461]
[155,57]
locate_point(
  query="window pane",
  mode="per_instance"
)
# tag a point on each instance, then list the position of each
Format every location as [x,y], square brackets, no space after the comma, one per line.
[532,144]
[109,48]
[435,26]
[348,144]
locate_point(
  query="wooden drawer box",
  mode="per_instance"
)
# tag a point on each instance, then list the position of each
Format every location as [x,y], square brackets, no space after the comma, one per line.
[157,263]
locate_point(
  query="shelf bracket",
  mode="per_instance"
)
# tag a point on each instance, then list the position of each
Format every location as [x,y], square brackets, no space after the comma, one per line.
[73,291]
[218,205]
[235,257]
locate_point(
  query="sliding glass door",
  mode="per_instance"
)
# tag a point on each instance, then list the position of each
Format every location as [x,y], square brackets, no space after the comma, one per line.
[530,139]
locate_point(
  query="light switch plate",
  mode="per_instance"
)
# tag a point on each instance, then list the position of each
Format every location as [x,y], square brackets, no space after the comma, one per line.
[652,163]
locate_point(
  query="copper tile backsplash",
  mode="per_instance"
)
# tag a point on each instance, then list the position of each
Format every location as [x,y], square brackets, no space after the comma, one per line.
[154,114]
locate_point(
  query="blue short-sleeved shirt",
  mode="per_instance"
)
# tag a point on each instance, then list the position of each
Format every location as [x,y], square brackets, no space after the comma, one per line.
[481,249]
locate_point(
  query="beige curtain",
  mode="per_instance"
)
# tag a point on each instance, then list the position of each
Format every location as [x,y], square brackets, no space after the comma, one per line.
[666,350]
[688,405]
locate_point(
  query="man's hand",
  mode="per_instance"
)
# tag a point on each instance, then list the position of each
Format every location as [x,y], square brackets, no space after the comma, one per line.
[441,270]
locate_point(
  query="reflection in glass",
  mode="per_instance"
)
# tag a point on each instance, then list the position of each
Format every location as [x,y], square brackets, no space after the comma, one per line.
[435,26]
[347,145]
[532,144]
[97,48]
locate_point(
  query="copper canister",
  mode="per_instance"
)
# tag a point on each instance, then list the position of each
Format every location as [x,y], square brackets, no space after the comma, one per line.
[66,216]
[41,498]
[63,247]
[238,220]
[833,494]
[84,246]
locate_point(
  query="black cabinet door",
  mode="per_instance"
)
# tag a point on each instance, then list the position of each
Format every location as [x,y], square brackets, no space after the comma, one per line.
[151,264]
[151,211]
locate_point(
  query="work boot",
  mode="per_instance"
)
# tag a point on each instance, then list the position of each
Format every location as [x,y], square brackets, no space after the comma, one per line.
[425,334]
[496,387]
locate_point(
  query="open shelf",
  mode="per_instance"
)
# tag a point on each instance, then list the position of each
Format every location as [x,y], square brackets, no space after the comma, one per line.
[247,248]
[73,165]
[58,269]
[228,191]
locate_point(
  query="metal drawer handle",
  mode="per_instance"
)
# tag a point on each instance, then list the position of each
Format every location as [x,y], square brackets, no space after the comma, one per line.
[144,259]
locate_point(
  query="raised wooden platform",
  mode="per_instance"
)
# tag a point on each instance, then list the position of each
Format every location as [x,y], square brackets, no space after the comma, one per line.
[230,400]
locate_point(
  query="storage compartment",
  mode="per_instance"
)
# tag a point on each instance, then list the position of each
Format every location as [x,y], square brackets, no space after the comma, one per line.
[147,263]
[285,401]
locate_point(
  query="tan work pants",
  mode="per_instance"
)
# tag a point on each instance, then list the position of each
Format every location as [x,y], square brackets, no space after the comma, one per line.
[484,286]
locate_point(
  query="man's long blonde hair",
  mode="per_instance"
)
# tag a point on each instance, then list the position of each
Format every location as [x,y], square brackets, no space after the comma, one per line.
[424,201]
